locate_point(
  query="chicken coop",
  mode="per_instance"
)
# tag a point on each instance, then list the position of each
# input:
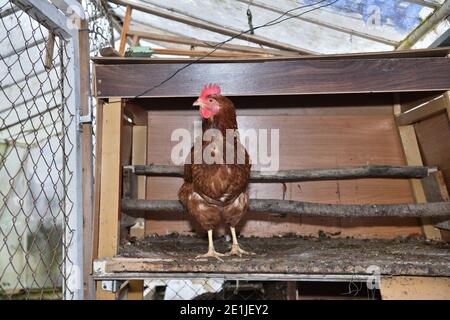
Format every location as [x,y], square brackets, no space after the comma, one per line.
[347,102]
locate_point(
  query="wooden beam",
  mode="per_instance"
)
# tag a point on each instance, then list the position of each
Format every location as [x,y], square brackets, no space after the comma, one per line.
[139,156]
[199,53]
[426,3]
[87,161]
[323,23]
[447,97]
[284,207]
[49,49]
[135,290]
[316,174]
[110,180]
[426,110]
[110,192]
[318,76]
[207,44]
[48,15]
[415,288]
[124,33]
[97,175]
[436,191]
[196,22]
[413,158]
[426,26]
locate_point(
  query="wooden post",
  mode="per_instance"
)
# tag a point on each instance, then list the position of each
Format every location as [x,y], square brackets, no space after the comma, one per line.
[125,27]
[97,174]
[87,162]
[413,158]
[135,290]
[447,99]
[49,48]
[138,156]
[136,40]
[110,191]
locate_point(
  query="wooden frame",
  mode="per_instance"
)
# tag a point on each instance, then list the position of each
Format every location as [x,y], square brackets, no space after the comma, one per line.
[109,79]
[306,76]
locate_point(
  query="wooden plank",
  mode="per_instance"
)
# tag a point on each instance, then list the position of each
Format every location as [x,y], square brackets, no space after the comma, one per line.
[205,43]
[433,135]
[110,185]
[110,191]
[414,99]
[172,15]
[435,191]
[201,53]
[139,156]
[427,110]
[135,290]
[124,33]
[415,288]
[48,15]
[416,53]
[97,175]
[286,77]
[288,255]
[101,294]
[435,188]
[87,162]
[413,157]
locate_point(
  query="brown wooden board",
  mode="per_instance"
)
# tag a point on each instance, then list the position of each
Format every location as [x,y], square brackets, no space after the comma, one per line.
[294,255]
[433,135]
[276,77]
[416,53]
[310,137]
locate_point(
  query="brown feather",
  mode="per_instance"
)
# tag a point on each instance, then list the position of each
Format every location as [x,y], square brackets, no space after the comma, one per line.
[224,185]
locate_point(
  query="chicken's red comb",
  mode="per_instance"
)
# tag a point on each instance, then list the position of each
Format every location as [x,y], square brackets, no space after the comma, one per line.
[209,89]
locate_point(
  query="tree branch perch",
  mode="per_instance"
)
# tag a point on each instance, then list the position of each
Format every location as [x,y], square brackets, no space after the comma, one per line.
[283,207]
[373,171]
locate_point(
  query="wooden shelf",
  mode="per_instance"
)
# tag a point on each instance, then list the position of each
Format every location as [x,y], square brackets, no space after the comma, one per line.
[278,258]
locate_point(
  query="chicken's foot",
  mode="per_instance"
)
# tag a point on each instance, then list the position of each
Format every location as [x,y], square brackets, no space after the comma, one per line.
[235,248]
[212,253]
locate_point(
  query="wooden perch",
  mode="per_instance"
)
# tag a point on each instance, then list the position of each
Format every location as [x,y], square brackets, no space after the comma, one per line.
[283,207]
[392,172]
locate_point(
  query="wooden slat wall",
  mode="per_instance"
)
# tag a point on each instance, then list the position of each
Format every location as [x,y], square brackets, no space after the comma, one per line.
[310,137]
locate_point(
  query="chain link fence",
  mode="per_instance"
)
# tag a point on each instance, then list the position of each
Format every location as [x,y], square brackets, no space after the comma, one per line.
[37,147]
[221,289]
[214,289]
[34,151]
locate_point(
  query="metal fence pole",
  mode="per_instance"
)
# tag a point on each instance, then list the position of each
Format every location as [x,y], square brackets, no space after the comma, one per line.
[73,255]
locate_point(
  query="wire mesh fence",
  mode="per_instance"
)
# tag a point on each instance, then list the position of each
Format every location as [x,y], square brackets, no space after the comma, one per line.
[222,289]
[37,118]
[34,151]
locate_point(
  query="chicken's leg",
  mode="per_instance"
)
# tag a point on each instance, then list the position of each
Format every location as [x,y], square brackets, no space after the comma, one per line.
[211,251]
[235,249]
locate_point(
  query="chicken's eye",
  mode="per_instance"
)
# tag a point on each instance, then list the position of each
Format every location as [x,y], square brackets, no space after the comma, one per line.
[210,100]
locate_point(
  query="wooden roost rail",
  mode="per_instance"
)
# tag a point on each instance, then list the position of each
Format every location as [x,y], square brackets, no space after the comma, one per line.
[412,78]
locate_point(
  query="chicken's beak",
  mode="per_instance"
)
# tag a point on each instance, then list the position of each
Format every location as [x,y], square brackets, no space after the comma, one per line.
[197,103]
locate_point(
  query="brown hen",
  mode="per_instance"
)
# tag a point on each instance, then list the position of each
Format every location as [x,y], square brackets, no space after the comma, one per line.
[214,188]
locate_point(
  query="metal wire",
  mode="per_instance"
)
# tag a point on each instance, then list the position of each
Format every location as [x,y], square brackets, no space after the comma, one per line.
[35,149]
